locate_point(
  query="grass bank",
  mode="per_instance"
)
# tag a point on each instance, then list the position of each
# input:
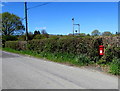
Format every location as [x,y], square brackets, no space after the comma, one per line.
[65,58]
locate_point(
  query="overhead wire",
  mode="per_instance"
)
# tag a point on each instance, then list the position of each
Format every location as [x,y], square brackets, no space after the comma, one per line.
[39,5]
[35,7]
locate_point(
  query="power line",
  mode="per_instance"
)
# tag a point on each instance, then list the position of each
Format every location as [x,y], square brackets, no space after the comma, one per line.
[35,7]
[26,9]
[39,5]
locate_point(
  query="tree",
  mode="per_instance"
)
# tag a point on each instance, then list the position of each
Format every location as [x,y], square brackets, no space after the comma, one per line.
[44,33]
[117,33]
[36,32]
[11,24]
[107,33]
[70,34]
[88,34]
[30,36]
[95,32]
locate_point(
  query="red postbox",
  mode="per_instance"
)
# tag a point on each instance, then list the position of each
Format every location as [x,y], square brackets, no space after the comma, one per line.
[101,50]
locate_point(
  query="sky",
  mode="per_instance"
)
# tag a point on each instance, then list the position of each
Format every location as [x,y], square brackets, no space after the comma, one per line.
[56,17]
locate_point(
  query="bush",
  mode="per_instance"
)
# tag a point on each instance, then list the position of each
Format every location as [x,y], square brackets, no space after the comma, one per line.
[17,45]
[115,66]
[8,38]
[38,36]
[54,36]
[22,38]
[62,45]
[111,52]
[101,61]
[83,59]
[72,45]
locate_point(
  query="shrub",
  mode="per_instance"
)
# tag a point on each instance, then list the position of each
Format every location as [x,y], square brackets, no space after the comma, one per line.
[17,45]
[83,59]
[101,61]
[8,38]
[54,36]
[115,66]
[38,36]
[50,45]
[93,48]
[35,45]
[71,45]
[111,52]
[30,36]
[22,38]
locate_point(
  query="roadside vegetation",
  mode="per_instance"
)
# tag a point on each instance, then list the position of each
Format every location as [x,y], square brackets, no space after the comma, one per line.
[72,50]
[78,49]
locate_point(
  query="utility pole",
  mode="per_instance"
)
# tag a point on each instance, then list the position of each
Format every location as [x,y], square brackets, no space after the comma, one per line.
[77,25]
[79,28]
[73,25]
[26,21]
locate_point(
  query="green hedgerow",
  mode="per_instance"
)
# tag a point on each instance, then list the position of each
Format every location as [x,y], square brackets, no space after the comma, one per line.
[115,66]
[83,59]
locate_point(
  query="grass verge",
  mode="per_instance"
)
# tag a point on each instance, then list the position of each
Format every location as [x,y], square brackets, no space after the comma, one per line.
[69,59]
[65,58]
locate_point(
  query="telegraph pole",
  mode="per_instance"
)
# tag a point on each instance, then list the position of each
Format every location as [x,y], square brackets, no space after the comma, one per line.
[77,25]
[26,21]
[73,25]
[79,28]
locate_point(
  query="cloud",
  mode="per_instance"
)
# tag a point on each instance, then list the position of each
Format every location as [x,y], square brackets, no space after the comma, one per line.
[37,28]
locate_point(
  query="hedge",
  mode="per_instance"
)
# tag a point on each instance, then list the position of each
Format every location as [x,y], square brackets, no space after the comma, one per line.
[71,45]
[17,45]
[63,45]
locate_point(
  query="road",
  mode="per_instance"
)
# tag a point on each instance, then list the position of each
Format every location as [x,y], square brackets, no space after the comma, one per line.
[24,72]
[0,70]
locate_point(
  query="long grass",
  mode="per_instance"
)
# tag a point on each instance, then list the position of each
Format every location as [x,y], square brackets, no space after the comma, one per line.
[65,58]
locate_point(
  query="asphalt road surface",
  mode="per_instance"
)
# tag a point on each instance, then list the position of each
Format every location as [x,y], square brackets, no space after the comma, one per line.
[0,70]
[23,72]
